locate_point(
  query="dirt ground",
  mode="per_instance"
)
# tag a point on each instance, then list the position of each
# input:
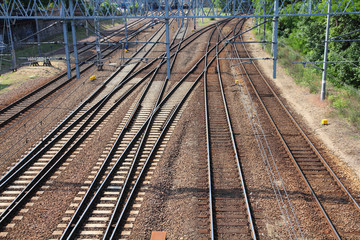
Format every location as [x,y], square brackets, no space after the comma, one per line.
[26,79]
[338,136]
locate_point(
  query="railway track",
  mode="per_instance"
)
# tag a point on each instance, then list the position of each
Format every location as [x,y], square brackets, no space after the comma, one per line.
[224,212]
[126,155]
[337,206]
[22,105]
[49,158]
[132,167]
[101,91]
[18,144]
[48,154]
[143,112]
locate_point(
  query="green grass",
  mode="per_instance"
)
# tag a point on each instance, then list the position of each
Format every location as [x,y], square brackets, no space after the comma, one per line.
[109,23]
[344,100]
[3,86]
[206,21]
[8,80]
[32,50]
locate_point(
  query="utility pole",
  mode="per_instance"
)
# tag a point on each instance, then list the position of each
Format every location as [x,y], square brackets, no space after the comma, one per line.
[264,25]
[11,45]
[73,30]
[195,7]
[10,38]
[323,81]
[62,13]
[167,39]
[275,33]
[126,35]
[99,63]
[37,33]
[86,27]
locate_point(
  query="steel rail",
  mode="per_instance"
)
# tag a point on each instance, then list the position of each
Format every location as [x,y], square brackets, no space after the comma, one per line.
[126,78]
[333,174]
[153,150]
[212,231]
[109,229]
[200,31]
[55,79]
[62,154]
[171,66]
[78,216]
[44,146]
[234,145]
[208,145]
[290,153]
[22,200]
[7,108]
[127,149]
[115,32]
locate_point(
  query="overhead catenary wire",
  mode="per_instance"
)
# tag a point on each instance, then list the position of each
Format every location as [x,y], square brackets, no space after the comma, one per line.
[31,129]
[240,170]
[2,49]
[345,34]
[40,31]
[256,126]
[318,45]
[266,162]
[11,126]
[319,68]
[38,124]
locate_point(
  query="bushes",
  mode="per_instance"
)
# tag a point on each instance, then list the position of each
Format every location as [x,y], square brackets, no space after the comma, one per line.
[344,98]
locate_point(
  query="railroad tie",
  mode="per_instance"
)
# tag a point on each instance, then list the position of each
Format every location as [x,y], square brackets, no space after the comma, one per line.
[158,235]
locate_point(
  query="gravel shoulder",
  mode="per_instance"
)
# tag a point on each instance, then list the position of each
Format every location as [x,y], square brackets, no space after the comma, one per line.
[338,136]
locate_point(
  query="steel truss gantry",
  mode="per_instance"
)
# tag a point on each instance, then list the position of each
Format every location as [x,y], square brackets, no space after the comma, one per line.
[95,10]
[110,9]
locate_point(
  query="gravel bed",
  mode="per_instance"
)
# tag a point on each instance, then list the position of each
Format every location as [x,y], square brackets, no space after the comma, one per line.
[48,210]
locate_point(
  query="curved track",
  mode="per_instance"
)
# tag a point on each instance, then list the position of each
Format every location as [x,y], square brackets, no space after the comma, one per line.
[137,107]
[335,203]
[59,148]
[14,110]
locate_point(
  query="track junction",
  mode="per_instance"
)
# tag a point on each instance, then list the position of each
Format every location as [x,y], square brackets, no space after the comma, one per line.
[211,153]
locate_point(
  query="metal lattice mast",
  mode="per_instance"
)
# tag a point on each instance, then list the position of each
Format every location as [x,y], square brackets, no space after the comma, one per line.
[264,25]
[126,35]
[62,13]
[73,30]
[323,81]
[167,39]
[97,33]
[275,35]
[11,45]
[38,34]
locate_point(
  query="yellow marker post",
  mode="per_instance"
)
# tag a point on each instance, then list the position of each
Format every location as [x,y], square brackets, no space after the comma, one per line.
[92,78]
[126,50]
[324,122]
[236,81]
